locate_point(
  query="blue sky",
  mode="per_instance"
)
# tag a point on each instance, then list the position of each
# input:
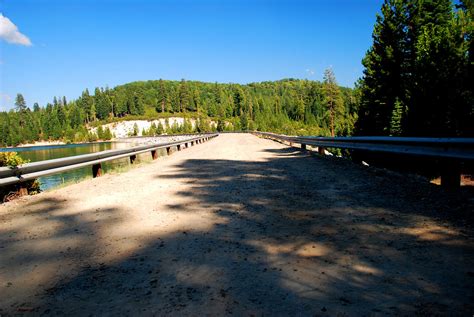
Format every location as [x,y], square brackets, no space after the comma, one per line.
[78,44]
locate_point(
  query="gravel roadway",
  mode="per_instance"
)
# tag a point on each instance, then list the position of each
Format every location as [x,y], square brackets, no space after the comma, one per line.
[240,226]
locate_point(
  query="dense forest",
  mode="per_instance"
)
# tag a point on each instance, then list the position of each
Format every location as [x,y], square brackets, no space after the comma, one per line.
[287,106]
[418,81]
[419,72]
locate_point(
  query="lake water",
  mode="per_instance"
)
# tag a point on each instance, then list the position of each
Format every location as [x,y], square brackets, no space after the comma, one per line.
[41,153]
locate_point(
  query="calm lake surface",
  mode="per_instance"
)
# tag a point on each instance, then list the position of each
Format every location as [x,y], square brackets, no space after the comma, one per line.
[41,153]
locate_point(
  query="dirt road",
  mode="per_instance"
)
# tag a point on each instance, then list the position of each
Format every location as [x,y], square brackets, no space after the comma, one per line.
[239,225]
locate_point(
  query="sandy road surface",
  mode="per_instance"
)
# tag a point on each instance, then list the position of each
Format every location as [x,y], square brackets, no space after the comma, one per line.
[239,225]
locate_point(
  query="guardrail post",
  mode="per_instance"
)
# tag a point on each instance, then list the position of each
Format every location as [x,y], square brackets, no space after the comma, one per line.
[132,159]
[96,170]
[303,146]
[179,147]
[168,150]
[192,143]
[450,174]
[320,150]
[23,191]
[154,154]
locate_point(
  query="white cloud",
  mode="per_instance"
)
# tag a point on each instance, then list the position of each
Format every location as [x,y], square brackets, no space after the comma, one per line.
[310,72]
[9,32]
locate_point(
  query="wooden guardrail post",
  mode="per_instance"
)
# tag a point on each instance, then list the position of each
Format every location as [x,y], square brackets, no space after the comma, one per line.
[154,154]
[178,147]
[23,191]
[132,158]
[168,150]
[450,174]
[303,146]
[321,150]
[96,170]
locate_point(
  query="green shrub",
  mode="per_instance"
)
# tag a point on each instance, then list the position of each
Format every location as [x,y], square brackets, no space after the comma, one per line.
[12,159]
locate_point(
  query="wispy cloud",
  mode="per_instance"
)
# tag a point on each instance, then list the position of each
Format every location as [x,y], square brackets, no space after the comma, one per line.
[309,72]
[5,97]
[10,33]
[5,101]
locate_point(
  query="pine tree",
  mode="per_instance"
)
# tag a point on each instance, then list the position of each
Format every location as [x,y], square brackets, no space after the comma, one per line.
[333,99]
[396,120]
[436,68]
[87,104]
[385,69]
[135,129]
[161,96]
[107,134]
[183,96]
[159,128]
[20,104]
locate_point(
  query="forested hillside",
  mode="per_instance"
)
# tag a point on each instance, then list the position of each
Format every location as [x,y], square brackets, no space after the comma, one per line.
[419,72]
[289,106]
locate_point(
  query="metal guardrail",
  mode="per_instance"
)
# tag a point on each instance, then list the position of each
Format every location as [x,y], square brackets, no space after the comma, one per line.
[452,151]
[30,171]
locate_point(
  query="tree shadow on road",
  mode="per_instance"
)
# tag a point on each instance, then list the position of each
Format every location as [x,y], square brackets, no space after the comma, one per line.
[291,235]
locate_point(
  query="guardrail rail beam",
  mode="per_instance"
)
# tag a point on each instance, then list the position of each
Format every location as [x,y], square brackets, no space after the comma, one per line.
[450,151]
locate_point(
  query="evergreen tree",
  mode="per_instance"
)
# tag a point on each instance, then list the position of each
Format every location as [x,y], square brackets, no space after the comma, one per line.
[100,132]
[396,120]
[161,97]
[333,100]
[135,130]
[183,96]
[86,103]
[20,104]
[159,128]
[420,58]
[385,69]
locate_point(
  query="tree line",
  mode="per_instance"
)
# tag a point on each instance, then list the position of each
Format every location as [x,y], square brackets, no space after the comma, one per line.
[290,106]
